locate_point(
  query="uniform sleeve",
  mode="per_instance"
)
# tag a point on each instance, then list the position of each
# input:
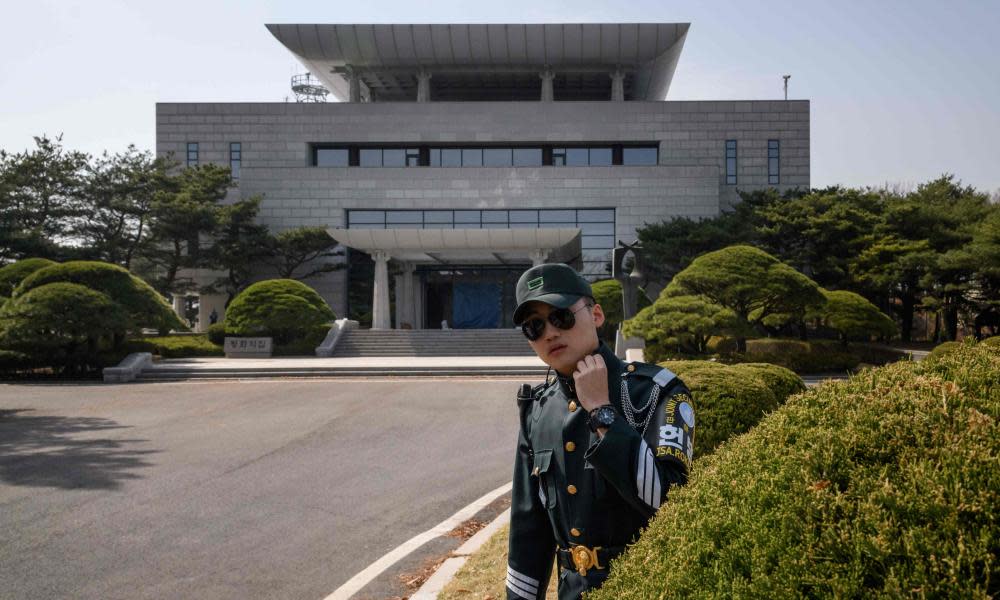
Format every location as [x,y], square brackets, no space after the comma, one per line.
[532,545]
[643,468]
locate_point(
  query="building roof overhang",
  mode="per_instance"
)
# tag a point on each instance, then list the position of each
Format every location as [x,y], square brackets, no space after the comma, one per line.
[489,61]
[465,246]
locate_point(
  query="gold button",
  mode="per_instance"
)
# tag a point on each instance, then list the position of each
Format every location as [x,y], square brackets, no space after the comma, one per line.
[572,406]
[571,489]
[570,446]
[631,368]
[574,532]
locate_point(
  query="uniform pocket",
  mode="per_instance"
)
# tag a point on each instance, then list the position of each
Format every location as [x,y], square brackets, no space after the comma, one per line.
[546,483]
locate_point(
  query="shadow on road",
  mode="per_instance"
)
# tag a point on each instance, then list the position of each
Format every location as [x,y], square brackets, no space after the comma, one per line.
[43,451]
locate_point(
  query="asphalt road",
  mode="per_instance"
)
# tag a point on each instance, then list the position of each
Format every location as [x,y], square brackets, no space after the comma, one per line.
[264,489]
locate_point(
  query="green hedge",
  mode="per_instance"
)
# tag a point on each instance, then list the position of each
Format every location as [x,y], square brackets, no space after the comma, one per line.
[942,349]
[992,342]
[59,325]
[802,357]
[143,306]
[284,309]
[13,274]
[729,400]
[176,346]
[886,485]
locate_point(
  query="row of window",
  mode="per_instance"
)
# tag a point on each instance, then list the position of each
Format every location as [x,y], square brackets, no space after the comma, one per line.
[596,225]
[497,157]
[235,157]
[773,160]
[520,156]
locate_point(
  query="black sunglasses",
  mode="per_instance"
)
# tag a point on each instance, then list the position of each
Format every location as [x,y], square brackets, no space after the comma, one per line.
[561,318]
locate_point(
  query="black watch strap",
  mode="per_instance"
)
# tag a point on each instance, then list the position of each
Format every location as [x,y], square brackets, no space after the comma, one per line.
[602,416]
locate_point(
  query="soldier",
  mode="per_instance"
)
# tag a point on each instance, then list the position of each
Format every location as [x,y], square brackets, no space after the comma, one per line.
[599,446]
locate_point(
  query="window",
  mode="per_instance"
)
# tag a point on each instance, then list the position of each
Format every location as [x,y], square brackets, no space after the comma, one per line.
[527,157]
[640,156]
[370,157]
[773,159]
[730,162]
[192,154]
[235,156]
[472,157]
[559,157]
[333,157]
[393,157]
[497,157]
[413,157]
[601,157]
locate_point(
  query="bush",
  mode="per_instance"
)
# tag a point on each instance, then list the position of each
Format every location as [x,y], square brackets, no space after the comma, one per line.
[142,305]
[802,357]
[176,346]
[217,333]
[991,342]
[284,309]
[306,344]
[884,485]
[783,382]
[59,324]
[942,349]
[608,293]
[729,400]
[13,274]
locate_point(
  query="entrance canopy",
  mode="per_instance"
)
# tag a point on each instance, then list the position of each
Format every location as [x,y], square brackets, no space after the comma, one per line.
[451,247]
[466,246]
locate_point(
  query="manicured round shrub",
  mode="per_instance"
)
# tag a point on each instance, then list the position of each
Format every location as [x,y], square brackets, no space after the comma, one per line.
[783,382]
[729,400]
[13,274]
[58,323]
[142,305]
[802,357]
[885,485]
[608,293]
[217,333]
[284,309]
[942,349]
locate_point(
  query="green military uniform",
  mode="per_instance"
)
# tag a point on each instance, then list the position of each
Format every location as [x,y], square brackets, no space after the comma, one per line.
[575,492]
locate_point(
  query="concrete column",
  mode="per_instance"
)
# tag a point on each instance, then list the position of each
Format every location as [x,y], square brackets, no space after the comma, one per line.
[423,86]
[618,86]
[399,302]
[178,304]
[380,292]
[418,303]
[538,257]
[354,93]
[547,77]
[409,314]
[206,304]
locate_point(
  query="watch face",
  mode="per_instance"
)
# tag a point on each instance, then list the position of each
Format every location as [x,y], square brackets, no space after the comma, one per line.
[603,417]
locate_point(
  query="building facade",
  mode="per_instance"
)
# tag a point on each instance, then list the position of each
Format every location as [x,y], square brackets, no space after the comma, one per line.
[458,155]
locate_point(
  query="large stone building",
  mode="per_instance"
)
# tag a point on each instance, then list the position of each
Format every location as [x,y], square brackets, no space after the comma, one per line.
[458,155]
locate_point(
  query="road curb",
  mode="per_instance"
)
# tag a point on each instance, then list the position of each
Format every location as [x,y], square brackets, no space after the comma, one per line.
[446,572]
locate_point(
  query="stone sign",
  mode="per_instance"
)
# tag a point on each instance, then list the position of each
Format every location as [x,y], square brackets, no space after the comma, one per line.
[259,347]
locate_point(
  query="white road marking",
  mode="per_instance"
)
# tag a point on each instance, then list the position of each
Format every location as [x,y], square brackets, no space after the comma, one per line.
[354,584]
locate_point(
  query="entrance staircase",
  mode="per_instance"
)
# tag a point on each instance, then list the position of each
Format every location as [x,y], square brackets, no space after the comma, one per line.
[432,342]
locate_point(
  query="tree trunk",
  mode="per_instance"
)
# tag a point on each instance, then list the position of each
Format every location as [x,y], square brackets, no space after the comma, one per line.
[741,345]
[951,321]
[906,314]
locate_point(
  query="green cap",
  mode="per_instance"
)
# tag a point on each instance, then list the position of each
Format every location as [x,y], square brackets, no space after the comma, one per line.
[552,283]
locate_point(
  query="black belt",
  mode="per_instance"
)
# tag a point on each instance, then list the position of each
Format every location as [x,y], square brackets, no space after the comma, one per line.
[582,559]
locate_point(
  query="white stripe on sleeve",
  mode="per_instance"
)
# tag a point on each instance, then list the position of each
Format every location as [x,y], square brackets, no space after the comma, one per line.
[647,479]
[522,585]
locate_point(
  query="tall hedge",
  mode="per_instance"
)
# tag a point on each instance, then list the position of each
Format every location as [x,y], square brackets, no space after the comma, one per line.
[143,306]
[886,485]
[284,309]
[13,274]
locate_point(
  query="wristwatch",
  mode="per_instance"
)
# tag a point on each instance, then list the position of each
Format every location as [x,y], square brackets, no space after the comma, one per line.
[602,416]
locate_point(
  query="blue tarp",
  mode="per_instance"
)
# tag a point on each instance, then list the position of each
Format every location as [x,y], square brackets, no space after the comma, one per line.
[475,305]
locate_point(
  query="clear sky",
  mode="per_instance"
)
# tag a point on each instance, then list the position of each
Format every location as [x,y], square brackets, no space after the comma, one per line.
[900,91]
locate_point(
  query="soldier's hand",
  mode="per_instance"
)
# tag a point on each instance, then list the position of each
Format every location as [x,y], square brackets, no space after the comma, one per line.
[591,377]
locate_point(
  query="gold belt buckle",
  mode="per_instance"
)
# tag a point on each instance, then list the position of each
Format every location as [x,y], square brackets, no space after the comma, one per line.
[585,559]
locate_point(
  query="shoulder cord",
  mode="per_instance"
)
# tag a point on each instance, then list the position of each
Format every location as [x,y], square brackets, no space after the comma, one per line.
[630,410]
